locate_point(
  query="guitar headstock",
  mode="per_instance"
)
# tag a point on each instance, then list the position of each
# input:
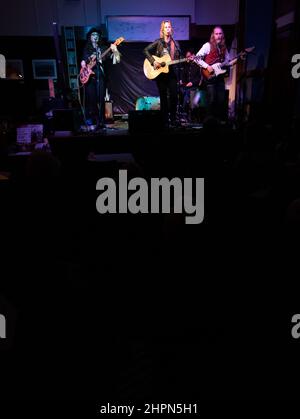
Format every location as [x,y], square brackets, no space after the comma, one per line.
[119,41]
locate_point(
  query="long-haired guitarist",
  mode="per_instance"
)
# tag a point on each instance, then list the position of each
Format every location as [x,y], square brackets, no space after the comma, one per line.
[94,89]
[166,83]
[212,52]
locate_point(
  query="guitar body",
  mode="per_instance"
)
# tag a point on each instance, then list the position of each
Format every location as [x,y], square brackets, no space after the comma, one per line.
[86,72]
[218,70]
[149,70]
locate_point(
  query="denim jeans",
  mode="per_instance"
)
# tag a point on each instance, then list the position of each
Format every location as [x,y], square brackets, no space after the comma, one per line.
[216,98]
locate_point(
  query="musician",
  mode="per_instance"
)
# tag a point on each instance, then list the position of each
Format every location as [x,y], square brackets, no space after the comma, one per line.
[94,89]
[166,82]
[190,82]
[215,51]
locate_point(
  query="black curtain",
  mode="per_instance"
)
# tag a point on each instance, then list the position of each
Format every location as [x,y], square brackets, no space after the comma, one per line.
[126,80]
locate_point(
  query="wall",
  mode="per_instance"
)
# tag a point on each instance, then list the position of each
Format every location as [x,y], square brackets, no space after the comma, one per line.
[282,88]
[258,31]
[216,12]
[35,17]
[152,7]
[26,18]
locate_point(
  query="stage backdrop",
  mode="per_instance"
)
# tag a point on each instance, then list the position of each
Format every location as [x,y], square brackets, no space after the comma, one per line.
[145,28]
[126,81]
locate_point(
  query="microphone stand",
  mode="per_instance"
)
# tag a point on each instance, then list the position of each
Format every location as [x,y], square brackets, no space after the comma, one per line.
[178,74]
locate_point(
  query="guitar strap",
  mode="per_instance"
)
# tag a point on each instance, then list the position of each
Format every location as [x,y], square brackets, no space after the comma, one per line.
[169,49]
[172,52]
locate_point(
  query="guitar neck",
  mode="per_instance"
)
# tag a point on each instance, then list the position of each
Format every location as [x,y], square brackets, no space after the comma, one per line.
[93,63]
[239,55]
[182,60]
[105,52]
[231,62]
[236,57]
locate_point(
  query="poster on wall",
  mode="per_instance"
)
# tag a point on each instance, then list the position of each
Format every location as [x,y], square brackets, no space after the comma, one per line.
[145,28]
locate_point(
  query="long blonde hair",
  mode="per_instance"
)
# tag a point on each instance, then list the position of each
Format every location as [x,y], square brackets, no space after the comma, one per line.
[161,33]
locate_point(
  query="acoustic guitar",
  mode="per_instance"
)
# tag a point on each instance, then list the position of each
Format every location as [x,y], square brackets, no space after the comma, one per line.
[165,61]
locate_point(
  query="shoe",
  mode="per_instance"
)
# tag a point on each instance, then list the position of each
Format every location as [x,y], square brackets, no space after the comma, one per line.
[100,127]
[175,124]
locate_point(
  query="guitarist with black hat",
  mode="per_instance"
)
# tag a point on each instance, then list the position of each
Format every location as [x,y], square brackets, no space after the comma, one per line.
[95,87]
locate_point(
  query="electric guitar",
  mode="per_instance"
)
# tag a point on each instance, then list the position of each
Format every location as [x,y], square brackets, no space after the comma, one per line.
[165,61]
[86,72]
[219,67]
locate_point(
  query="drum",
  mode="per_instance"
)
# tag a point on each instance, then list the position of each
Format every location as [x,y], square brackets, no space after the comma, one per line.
[147,103]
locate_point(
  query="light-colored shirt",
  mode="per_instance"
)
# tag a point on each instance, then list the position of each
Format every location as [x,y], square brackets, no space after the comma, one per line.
[204,51]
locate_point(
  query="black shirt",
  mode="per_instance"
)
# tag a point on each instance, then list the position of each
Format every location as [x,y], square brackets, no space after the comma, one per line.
[191,73]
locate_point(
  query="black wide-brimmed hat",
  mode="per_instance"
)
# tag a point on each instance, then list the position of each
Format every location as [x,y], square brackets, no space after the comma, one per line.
[92,30]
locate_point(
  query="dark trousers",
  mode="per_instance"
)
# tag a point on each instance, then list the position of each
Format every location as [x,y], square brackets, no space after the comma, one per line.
[167,86]
[216,97]
[95,98]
